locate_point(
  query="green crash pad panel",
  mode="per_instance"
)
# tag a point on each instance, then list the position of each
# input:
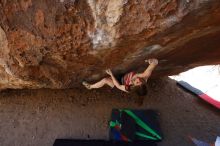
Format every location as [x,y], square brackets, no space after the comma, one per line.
[134,125]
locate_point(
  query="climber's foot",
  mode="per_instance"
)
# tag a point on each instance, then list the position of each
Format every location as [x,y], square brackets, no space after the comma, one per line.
[87,85]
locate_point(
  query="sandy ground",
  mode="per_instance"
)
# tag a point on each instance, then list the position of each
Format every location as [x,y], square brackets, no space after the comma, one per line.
[38,117]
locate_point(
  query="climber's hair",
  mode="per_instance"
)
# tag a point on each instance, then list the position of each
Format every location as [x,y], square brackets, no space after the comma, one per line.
[140,90]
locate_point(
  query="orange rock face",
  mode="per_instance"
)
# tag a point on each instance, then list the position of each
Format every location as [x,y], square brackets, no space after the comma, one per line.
[60,43]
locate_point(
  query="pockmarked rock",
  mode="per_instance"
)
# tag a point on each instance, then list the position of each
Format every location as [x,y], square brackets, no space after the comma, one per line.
[59,43]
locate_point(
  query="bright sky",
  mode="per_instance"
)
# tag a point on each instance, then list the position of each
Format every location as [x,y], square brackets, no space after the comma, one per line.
[205,78]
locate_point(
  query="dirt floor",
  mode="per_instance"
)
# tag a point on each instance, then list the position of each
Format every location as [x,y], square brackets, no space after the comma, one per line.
[38,117]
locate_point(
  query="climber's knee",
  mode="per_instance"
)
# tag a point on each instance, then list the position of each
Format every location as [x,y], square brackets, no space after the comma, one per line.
[109,82]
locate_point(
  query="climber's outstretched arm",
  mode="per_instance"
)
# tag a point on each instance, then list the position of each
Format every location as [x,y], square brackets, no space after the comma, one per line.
[115,82]
[147,73]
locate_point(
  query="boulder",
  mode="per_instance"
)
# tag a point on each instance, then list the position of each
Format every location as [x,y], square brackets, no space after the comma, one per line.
[59,43]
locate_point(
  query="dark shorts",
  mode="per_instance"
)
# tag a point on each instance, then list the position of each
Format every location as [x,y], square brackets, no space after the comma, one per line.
[119,78]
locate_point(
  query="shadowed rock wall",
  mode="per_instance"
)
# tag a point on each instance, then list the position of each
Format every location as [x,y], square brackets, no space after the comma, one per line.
[59,43]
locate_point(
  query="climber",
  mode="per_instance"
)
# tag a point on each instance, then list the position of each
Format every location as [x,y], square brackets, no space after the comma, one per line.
[127,82]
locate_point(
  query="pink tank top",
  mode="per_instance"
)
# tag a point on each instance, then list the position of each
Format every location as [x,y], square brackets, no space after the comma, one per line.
[127,79]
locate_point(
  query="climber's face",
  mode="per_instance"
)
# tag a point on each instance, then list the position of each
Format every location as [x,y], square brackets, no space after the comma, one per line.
[137,82]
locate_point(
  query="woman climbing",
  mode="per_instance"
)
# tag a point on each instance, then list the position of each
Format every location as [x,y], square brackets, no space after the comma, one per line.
[128,81]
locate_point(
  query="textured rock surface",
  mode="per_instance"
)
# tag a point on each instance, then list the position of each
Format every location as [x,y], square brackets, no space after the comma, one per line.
[57,44]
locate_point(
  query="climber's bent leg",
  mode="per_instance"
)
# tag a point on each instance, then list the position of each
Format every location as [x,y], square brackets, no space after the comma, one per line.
[99,84]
